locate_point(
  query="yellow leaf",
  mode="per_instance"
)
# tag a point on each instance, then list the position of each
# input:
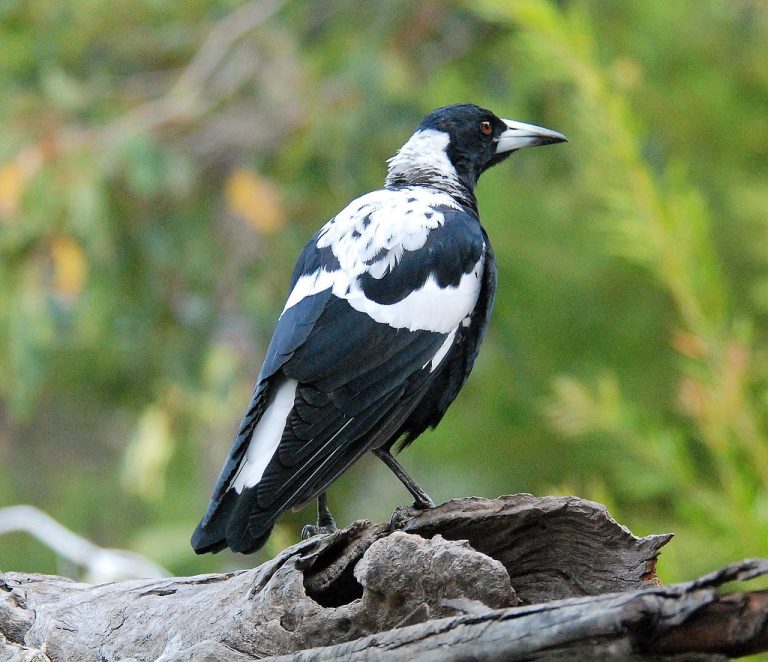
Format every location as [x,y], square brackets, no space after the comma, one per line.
[70,266]
[148,455]
[12,181]
[255,200]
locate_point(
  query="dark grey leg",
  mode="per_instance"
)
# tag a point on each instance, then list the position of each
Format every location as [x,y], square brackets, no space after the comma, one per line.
[422,500]
[324,518]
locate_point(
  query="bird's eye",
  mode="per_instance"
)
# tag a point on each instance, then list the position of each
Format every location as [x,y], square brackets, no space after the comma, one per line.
[486,127]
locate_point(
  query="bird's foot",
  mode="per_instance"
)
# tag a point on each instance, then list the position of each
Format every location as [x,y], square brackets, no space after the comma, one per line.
[403,514]
[312,530]
[325,522]
[400,517]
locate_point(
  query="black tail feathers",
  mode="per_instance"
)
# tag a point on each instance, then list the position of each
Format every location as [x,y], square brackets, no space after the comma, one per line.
[219,529]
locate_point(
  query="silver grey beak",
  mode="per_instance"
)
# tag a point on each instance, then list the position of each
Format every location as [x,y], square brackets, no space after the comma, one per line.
[520,134]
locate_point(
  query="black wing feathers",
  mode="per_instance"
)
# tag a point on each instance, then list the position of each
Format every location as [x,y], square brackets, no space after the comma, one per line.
[312,258]
[348,355]
[252,415]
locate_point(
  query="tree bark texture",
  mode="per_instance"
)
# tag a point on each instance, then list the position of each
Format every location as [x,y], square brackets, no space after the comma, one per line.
[517,577]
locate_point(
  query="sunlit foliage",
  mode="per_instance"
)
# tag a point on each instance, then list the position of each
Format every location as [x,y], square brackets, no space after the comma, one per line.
[161,165]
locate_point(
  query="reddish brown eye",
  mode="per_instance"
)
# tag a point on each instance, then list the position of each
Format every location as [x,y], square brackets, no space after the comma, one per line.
[486,127]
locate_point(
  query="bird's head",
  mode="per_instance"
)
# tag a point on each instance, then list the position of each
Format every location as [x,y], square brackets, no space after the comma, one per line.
[454,145]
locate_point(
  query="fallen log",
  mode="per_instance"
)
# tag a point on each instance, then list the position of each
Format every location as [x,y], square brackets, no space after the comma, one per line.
[518,577]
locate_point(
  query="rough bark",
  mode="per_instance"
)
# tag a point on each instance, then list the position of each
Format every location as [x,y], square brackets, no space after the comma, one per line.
[519,576]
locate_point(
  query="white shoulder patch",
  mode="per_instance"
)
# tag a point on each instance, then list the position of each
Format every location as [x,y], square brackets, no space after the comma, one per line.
[430,308]
[370,235]
[310,284]
[383,221]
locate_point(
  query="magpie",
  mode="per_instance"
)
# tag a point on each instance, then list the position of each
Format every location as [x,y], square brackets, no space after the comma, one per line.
[387,307]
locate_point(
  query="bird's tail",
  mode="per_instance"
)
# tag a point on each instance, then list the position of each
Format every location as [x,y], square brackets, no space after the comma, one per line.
[211,534]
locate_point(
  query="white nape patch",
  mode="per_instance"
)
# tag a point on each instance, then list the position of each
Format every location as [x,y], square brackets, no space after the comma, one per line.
[440,355]
[423,154]
[266,437]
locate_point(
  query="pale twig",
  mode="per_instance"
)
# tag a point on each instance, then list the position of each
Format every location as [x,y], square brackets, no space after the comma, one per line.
[101,564]
[186,100]
[220,40]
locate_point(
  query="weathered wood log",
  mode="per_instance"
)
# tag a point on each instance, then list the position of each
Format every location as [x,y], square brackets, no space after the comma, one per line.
[518,576]
[688,621]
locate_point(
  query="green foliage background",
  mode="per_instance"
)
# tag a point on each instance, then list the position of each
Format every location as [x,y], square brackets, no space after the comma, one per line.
[161,165]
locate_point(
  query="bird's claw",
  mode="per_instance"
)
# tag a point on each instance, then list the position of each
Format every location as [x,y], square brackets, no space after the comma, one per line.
[403,514]
[312,530]
[400,517]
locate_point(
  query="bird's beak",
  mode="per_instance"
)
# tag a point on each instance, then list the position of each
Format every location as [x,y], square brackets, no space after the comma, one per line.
[520,134]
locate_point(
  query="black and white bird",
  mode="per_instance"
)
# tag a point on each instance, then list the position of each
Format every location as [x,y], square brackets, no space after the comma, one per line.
[388,305]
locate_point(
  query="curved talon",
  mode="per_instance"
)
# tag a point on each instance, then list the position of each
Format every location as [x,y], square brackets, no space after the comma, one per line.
[403,514]
[311,530]
[395,521]
[400,517]
[325,522]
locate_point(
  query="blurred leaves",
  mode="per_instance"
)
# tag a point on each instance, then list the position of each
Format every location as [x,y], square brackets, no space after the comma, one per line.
[655,216]
[11,188]
[13,180]
[148,454]
[255,200]
[158,180]
[70,267]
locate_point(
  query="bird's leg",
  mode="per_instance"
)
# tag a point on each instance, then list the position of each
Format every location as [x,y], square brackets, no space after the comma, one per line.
[422,500]
[324,518]
[325,521]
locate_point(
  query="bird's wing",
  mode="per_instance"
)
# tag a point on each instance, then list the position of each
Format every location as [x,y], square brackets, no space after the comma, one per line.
[353,352]
[459,360]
